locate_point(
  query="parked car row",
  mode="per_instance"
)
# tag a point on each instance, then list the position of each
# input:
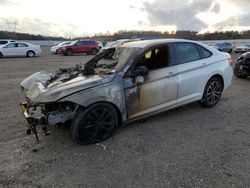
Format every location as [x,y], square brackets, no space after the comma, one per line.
[55,49]
[68,48]
[228,47]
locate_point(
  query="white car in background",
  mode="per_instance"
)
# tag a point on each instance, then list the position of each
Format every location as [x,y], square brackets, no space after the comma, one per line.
[55,49]
[242,49]
[19,49]
[5,41]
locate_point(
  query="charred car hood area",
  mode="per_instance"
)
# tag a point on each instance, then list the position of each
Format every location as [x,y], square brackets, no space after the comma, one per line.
[53,85]
[47,86]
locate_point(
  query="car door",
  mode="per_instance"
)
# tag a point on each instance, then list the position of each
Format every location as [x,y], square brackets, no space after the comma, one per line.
[159,89]
[9,49]
[21,49]
[84,47]
[77,47]
[192,62]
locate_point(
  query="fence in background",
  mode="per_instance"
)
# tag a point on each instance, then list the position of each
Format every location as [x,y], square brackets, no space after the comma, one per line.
[235,43]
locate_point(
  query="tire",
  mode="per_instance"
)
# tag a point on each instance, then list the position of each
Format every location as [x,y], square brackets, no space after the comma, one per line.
[57,51]
[238,73]
[96,123]
[230,51]
[212,92]
[31,53]
[69,52]
[93,51]
[1,55]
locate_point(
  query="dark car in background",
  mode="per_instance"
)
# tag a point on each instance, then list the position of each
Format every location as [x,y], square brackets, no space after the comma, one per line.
[80,46]
[242,66]
[224,47]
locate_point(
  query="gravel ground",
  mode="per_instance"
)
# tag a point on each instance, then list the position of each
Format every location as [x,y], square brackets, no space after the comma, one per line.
[186,147]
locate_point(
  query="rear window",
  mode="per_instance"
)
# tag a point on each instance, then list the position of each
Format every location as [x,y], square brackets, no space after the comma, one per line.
[204,52]
[186,52]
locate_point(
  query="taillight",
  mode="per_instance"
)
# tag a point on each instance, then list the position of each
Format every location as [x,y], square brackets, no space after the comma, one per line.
[231,61]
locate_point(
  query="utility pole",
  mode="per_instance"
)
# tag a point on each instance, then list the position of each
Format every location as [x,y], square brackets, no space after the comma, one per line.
[12,25]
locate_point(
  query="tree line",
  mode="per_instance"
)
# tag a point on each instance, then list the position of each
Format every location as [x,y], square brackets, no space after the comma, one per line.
[122,34]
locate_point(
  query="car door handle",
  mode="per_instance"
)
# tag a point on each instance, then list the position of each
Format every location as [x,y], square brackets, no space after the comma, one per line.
[171,74]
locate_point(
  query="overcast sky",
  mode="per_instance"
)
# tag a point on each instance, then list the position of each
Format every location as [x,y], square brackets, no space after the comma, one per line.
[71,18]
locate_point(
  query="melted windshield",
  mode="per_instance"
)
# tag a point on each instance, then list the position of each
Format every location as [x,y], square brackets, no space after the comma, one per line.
[103,63]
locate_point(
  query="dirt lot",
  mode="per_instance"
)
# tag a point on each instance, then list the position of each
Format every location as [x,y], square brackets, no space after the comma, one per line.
[186,147]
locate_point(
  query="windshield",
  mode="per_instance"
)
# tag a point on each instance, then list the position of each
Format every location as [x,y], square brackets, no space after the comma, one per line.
[102,63]
[64,43]
[122,54]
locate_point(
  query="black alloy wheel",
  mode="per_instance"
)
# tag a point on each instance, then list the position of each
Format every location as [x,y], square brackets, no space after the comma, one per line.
[96,123]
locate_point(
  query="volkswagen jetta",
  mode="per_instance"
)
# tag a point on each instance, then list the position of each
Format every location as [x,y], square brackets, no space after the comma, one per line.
[143,78]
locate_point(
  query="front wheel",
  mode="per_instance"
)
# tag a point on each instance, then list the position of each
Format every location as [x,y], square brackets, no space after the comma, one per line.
[212,92]
[69,52]
[96,123]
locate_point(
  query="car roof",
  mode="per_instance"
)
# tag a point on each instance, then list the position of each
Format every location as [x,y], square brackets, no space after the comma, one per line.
[146,43]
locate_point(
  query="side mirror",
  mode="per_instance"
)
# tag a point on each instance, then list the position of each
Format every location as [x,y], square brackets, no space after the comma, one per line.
[141,71]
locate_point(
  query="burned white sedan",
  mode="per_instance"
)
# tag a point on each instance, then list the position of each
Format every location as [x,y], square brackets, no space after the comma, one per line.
[144,78]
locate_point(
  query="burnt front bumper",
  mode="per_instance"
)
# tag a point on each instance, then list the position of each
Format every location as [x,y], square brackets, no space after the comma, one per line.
[31,121]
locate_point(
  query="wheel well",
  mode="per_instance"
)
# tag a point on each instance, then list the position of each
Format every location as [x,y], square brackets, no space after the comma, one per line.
[220,77]
[115,107]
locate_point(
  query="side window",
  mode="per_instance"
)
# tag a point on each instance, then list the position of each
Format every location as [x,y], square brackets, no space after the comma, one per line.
[11,45]
[204,52]
[78,43]
[84,43]
[155,58]
[22,45]
[186,52]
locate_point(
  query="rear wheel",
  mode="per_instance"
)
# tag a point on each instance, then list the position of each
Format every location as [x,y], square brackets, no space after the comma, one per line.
[30,53]
[1,55]
[96,123]
[239,73]
[212,92]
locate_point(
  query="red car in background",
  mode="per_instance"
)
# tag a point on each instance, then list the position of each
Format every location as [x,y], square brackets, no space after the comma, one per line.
[80,46]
